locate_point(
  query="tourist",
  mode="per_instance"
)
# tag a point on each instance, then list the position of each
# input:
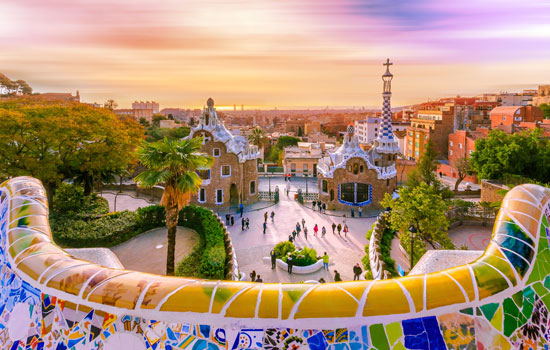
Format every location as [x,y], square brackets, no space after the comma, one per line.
[253,276]
[298,228]
[247,223]
[265,216]
[324,207]
[339,227]
[232,220]
[352,213]
[265,227]
[273,256]
[227,219]
[259,279]
[319,205]
[313,204]
[287,189]
[272,216]
[322,280]
[323,232]
[241,209]
[344,219]
[290,238]
[289,263]
[315,230]
[294,235]
[325,261]
[303,223]
[242,223]
[337,277]
[346,230]
[333,227]
[305,232]
[440,174]
[360,210]
[357,272]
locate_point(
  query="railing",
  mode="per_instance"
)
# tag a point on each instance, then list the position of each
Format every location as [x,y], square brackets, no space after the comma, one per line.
[266,196]
[51,300]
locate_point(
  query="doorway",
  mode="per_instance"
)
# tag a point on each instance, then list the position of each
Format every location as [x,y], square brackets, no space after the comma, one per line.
[233,195]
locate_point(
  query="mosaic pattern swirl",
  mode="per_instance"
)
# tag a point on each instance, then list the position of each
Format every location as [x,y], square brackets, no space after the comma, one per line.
[50,300]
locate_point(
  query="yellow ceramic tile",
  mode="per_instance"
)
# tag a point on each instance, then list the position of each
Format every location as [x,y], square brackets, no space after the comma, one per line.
[356,288]
[162,286]
[415,286]
[194,297]
[385,297]
[489,281]
[291,294]
[462,275]
[29,221]
[502,265]
[60,264]
[244,305]
[39,248]
[35,265]
[441,290]
[315,303]
[529,209]
[17,233]
[26,242]
[73,279]
[224,292]
[101,277]
[269,304]
[121,291]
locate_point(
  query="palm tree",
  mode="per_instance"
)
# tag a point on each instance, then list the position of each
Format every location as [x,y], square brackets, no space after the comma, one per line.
[258,138]
[172,163]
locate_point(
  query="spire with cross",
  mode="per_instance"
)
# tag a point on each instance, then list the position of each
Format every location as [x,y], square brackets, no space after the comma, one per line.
[385,142]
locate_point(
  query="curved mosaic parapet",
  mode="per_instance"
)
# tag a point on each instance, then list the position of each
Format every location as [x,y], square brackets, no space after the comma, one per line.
[50,298]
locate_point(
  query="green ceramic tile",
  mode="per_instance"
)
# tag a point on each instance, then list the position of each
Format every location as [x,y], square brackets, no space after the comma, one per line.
[378,337]
[489,310]
[394,332]
[468,311]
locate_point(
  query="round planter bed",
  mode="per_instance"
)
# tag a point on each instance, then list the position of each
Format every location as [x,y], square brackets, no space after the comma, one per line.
[300,270]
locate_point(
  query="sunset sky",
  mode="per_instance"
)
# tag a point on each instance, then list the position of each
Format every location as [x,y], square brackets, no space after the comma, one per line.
[266,53]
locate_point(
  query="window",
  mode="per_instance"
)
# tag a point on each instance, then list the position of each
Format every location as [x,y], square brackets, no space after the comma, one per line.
[324,186]
[425,137]
[416,144]
[252,187]
[450,143]
[451,152]
[216,152]
[202,195]
[417,136]
[293,167]
[410,133]
[204,174]
[361,169]
[460,145]
[219,196]
[226,170]
[504,118]
[305,168]
[355,168]
[375,129]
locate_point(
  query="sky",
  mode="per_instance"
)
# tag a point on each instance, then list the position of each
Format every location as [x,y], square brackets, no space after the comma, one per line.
[283,53]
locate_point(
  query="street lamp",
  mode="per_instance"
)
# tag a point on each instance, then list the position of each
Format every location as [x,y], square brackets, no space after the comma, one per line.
[306,175]
[412,230]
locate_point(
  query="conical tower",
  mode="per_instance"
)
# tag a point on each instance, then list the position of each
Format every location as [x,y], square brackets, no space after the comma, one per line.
[386,144]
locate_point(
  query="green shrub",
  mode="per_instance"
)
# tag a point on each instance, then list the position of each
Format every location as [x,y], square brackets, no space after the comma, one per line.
[283,248]
[305,257]
[189,266]
[70,200]
[151,217]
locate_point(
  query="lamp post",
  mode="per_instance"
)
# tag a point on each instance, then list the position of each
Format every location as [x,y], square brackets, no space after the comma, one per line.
[306,176]
[412,230]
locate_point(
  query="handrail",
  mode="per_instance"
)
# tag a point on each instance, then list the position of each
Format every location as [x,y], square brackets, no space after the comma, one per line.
[506,267]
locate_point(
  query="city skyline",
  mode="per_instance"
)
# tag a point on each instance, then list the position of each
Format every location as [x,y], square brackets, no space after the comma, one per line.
[284,54]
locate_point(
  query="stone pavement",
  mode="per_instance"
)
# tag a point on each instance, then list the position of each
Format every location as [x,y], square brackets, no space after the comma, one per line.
[252,245]
[474,237]
[126,201]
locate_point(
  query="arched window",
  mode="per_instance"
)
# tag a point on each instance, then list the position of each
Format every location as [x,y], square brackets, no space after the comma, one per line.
[355,168]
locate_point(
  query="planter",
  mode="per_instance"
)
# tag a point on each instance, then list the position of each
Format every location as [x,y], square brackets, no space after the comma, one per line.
[300,270]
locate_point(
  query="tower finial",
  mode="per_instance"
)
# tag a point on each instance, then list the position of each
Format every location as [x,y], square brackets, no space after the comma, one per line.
[388,63]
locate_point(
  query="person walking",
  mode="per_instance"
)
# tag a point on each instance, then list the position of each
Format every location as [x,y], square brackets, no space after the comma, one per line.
[339,228]
[337,277]
[313,204]
[273,256]
[294,235]
[325,261]
[265,227]
[272,216]
[265,216]
[241,209]
[298,228]
[360,210]
[289,262]
[303,223]
[259,279]
[324,207]
[333,227]
[247,223]
[290,238]
[344,219]
[323,232]
[319,205]
[232,220]
[315,230]
[227,219]
[305,232]
[346,230]
[357,272]
[253,276]
[352,212]
[287,188]
[242,223]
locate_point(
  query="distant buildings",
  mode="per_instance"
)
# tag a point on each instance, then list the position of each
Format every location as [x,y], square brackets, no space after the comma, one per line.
[543,95]
[140,110]
[59,96]
[302,160]
[430,124]
[515,115]
[353,177]
[233,178]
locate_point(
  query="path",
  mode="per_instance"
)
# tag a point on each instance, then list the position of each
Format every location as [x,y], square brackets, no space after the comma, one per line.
[147,251]
[474,237]
[125,201]
[252,245]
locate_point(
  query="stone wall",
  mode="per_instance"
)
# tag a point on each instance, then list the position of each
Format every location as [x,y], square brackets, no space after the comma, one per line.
[49,300]
[489,191]
[368,176]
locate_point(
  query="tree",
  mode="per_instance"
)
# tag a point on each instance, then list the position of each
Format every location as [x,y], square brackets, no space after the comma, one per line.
[423,208]
[525,154]
[9,87]
[110,104]
[157,118]
[425,172]
[258,137]
[172,163]
[300,132]
[287,141]
[545,108]
[275,154]
[462,165]
[57,141]
[144,122]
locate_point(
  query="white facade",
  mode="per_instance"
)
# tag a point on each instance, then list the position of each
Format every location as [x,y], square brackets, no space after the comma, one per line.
[367,130]
[147,105]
